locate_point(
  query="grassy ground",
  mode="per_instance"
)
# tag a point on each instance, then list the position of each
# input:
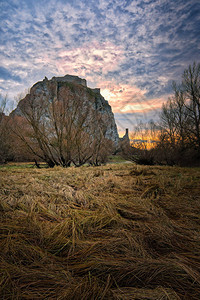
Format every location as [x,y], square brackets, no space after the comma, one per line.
[114,232]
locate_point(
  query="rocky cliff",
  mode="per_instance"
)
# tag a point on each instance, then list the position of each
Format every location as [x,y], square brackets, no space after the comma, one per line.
[74,87]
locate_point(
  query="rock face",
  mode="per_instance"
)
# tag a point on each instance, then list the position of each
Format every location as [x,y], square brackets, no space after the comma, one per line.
[71,78]
[90,98]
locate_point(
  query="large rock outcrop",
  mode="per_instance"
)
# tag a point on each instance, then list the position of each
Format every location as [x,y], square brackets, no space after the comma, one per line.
[89,98]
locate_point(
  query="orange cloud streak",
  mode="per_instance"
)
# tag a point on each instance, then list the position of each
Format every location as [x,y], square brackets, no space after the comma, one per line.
[126,98]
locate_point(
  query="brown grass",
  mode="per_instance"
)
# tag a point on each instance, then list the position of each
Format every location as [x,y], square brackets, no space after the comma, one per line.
[113,232]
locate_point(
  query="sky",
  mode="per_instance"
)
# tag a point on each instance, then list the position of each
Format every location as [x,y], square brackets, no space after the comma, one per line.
[132,50]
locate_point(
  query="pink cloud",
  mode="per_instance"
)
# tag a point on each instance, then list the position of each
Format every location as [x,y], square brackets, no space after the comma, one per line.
[89,58]
[126,98]
[120,96]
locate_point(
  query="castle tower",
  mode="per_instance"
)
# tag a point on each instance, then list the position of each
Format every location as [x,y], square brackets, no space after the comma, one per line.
[126,136]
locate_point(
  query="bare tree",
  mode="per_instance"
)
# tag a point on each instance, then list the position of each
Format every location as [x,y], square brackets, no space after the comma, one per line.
[58,127]
[181,114]
[5,149]
[32,127]
[175,119]
[191,88]
[180,119]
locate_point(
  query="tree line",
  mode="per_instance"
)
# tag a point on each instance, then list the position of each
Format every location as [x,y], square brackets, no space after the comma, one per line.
[59,129]
[177,134]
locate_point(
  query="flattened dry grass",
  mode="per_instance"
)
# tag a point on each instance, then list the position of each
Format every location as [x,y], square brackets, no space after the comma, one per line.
[113,232]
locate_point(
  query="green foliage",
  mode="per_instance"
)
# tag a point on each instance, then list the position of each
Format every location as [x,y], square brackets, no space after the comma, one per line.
[90,92]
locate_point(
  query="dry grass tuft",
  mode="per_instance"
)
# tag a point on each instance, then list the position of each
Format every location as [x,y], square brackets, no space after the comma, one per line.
[113,232]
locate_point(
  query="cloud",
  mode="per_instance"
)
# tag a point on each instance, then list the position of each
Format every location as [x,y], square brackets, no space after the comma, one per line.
[121,96]
[7,75]
[130,104]
[131,49]
[129,98]
[90,58]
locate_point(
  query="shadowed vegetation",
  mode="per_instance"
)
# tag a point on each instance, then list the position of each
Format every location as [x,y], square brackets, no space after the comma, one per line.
[119,231]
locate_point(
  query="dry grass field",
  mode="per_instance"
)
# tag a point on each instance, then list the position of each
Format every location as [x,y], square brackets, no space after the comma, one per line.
[118,231]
